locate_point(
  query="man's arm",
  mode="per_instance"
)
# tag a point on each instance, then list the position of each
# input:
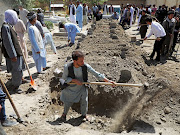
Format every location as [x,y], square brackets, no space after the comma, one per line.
[7,41]
[99,76]
[33,40]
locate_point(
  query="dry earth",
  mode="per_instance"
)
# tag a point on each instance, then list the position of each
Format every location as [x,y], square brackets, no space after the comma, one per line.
[129,110]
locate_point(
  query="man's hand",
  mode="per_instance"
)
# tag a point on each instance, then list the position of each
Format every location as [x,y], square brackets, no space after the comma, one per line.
[38,52]
[158,39]
[145,38]
[76,82]
[107,80]
[14,59]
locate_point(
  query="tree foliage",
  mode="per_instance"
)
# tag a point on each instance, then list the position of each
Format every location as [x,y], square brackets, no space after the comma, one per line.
[25,3]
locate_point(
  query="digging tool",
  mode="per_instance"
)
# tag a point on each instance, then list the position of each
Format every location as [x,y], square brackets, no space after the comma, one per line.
[139,25]
[11,101]
[134,39]
[27,67]
[115,84]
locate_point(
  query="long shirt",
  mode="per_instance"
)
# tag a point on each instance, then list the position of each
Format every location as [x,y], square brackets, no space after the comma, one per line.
[157,30]
[95,9]
[74,93]
[23,13]
[71,29]
[72,9]
[79,13]
[20,27]
[37,44]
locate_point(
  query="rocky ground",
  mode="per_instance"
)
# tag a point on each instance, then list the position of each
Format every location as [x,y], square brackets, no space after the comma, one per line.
[153,109]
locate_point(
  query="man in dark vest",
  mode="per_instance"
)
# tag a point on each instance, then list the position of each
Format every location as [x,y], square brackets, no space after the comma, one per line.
[72,12]
[143,24]
[77,72]
[11,49]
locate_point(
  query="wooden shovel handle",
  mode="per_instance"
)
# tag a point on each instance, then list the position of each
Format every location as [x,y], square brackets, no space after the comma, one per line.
[9,97]
[116,84]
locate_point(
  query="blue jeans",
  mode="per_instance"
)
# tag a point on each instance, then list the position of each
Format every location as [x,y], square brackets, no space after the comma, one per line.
[2,103]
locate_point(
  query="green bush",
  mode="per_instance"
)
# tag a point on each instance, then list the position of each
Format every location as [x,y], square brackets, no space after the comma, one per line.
[49,24]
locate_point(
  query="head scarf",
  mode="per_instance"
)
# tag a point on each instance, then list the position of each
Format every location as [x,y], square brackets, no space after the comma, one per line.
[31,15]
[11,17]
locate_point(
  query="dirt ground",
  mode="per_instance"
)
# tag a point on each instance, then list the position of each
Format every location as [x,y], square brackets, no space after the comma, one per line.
[112,110]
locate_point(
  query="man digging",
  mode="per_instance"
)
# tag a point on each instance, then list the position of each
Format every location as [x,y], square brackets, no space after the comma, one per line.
[77,72]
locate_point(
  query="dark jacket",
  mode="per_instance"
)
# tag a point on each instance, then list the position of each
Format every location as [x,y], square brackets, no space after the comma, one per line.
[6,29]
[40,17]
[73,9]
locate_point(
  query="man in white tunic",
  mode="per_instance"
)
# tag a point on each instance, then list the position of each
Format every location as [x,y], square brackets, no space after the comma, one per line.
[132,14]
[20,30]
[22,14]
[38,47]
[72,12]
[105,9]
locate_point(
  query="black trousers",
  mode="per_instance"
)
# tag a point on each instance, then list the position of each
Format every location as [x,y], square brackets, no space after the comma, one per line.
[157,48]
[143,31]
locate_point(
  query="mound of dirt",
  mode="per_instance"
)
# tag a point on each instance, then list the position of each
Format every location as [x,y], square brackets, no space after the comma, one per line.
[122,62]
[111,109]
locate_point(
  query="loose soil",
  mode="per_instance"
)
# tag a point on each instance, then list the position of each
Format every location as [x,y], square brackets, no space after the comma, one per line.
[112,110]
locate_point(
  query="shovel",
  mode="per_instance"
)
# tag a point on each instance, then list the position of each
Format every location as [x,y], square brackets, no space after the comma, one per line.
[11,101]
[115,84]
[27,67]
[134,39]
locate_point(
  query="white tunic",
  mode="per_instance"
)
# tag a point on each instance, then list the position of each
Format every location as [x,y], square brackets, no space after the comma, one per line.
[72,17]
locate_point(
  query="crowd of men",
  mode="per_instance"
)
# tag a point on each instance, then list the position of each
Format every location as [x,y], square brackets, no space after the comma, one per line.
[81,13]
[167,20]
[14,49]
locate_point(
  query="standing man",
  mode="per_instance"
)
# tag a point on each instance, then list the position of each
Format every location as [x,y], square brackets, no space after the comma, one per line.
[40,17]
[99,7]
[105,9]
[22,14]
[77,72]
[132,14]
[85,11]
[111,10]
[20,30]
[143,25]
[169,25]
[72,12]
[95,10]
[11,49]
[38,47]
[159,33]
[79,15]
[71,29]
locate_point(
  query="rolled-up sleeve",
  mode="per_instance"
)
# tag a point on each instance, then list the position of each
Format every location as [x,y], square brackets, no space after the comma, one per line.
[98,75]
